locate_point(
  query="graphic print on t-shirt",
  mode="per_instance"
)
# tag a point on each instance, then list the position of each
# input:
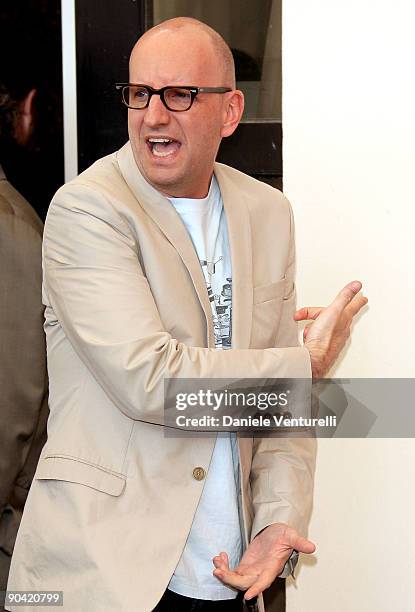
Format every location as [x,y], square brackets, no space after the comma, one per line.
[221,303]
[216,524]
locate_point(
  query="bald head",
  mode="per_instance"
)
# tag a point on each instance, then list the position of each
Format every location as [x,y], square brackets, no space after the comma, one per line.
[208,40]
[175,150]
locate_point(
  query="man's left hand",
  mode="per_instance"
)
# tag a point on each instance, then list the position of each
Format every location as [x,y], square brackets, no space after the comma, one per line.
[263,560]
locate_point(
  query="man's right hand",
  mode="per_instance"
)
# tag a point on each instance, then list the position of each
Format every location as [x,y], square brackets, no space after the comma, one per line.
[327,335]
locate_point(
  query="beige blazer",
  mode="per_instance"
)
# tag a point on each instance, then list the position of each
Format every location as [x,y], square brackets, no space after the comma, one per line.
[23,380]
[126,306]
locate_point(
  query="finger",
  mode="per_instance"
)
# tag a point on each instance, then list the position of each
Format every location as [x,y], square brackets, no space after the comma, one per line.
[224,557]
[305,332]
[356,304]
[307,313]
[264,581]
[345,296]
[235,580]
[219,563]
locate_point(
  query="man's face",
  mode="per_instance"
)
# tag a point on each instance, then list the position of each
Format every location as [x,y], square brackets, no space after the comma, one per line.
[184,167]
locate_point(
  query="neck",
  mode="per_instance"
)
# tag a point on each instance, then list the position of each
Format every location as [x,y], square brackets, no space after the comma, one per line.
[186,191]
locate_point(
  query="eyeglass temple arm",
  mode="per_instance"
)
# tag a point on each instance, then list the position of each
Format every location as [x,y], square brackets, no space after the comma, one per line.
[214,89]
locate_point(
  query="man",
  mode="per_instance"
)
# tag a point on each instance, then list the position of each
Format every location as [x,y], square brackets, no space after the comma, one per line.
[138,253]
[23,379]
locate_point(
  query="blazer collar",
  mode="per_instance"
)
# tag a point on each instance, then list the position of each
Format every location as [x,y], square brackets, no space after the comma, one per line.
[167,219]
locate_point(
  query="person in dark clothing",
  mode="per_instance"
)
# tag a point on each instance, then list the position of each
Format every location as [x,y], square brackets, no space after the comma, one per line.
[23,377]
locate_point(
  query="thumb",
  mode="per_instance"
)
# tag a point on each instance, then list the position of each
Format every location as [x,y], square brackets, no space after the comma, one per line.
[302,544]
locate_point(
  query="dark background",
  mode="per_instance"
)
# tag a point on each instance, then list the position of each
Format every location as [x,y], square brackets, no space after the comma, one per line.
[30,39]
[104,39]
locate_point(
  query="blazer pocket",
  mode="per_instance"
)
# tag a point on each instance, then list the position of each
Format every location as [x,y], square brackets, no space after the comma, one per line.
[272,291]
[71,469]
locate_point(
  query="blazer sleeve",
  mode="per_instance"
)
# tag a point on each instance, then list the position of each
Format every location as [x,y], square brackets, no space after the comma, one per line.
[23,380]
[98,292]
[282,470]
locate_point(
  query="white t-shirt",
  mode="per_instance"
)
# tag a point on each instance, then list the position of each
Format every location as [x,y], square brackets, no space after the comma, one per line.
[216,525]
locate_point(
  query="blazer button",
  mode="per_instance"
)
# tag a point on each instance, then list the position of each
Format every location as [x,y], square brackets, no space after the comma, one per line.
[199,473]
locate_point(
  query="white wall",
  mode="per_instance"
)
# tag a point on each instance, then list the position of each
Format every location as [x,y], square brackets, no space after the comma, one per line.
[349,169]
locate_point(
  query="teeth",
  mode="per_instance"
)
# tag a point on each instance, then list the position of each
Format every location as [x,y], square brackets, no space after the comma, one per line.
[162,153]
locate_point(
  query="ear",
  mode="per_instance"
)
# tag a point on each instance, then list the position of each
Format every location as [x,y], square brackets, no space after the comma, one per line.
[234,108]
[24,122]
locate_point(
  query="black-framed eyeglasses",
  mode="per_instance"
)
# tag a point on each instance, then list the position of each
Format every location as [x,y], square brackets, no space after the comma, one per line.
[174,98]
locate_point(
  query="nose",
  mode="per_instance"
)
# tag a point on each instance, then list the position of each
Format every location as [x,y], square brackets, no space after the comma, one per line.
[156,113]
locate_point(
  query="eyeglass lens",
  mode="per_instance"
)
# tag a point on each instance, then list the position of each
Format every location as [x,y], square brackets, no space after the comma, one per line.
[176,98]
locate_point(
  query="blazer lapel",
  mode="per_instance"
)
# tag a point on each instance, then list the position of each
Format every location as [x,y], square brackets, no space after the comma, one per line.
[165,216]
[239,229]
[240,239]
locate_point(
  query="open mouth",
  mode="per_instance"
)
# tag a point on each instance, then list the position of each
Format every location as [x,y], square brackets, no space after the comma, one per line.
[163,147]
